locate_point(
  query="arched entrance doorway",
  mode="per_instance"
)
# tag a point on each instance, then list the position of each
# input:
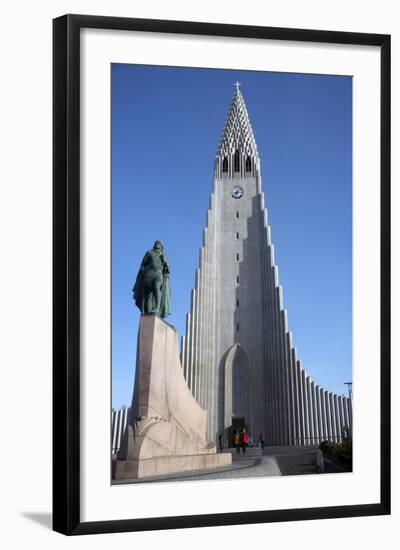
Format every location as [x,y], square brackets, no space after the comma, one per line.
[238,398]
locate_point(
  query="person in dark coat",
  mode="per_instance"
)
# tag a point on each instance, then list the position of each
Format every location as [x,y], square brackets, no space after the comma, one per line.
[221,446]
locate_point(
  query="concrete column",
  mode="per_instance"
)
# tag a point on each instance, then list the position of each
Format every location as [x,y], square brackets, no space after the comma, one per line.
[269,366]
[310,411]
[294,417]
[264,344]
[210,316]
[119,422]
[189,349]
[301,403]
[346,412]
[211,337]
[206,317]
[279,376]
[113,430]
[324,428]
[296,397]
[183,352]
[337,418]
[203,319]
[200,334]
[291,398]
[318,420]
[350,412]
[333,417]
[328,416]
[192,343]
[185,362]
[305,408]
[285,382]
[212,366]
[275,361]
[269,380]
[206,321]
[341,414]
[315,413]
[281,360]
[196,336]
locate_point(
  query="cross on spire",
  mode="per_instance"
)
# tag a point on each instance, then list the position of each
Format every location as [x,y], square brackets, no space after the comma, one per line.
[237,84]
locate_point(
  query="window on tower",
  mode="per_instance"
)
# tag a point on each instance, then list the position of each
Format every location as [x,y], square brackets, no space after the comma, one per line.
[237,162]
[225,165]
[248,164]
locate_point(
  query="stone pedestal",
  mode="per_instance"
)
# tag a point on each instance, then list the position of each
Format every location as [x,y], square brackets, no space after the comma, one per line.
[166,431]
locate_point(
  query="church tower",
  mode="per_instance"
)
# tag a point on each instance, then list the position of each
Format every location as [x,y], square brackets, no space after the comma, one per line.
[237,354]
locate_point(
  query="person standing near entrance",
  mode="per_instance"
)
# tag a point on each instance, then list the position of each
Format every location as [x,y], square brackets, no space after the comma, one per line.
[262,440]
[245,440]
[221,446]
[237,440]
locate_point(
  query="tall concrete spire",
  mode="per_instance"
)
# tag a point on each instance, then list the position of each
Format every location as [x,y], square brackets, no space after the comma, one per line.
[237,355]
[237,149]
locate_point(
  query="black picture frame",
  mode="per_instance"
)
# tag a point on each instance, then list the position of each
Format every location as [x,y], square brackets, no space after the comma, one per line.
[66,273]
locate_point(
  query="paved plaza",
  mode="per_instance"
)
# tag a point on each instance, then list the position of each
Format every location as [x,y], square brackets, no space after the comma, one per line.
[273,461]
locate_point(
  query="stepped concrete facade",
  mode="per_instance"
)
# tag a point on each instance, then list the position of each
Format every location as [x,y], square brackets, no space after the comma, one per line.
[237,355]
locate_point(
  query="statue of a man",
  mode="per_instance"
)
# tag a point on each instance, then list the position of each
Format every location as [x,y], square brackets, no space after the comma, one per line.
[152,293]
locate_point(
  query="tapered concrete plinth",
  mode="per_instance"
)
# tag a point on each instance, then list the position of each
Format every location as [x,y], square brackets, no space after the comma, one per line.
[166,431]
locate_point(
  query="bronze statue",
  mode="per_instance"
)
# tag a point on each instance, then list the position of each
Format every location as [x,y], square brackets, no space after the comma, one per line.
[151,292]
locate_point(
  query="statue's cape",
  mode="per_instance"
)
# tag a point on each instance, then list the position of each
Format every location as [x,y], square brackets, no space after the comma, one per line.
[165,308]
[138,290]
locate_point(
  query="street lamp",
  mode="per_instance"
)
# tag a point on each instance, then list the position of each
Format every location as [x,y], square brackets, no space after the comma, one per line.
[349,389]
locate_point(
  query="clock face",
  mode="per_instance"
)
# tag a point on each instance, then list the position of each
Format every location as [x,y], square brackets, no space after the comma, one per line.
[237,192]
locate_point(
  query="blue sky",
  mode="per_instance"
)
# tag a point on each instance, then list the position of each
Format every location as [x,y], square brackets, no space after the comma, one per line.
[166,124]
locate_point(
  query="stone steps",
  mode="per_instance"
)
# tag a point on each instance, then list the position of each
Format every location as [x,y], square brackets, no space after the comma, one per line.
[291,460]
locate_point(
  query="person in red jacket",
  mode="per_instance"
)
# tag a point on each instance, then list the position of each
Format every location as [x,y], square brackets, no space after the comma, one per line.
[245,440]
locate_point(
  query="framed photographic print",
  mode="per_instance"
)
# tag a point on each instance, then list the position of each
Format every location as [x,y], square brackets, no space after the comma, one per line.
[190,161]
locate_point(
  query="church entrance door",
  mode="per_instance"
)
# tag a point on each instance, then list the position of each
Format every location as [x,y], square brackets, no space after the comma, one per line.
[237,406]
[238,423]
